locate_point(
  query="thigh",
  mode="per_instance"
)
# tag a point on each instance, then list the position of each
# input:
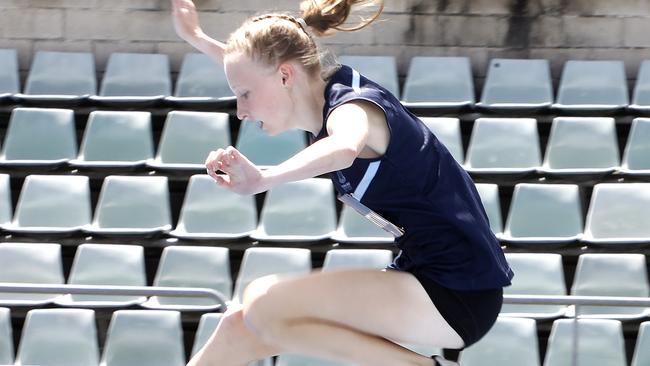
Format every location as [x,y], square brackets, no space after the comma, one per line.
[389,304]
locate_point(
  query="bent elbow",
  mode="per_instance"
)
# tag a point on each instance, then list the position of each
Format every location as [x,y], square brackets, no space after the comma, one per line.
[346,157]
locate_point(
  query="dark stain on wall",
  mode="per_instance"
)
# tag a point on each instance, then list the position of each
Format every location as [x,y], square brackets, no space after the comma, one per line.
[519,25]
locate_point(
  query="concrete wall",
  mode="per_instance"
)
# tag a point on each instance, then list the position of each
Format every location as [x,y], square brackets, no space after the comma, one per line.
[481,29]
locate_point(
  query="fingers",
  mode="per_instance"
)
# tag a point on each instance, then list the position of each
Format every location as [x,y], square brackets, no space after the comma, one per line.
[221,160]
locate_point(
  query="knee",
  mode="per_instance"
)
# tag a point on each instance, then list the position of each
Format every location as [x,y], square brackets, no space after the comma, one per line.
[262,309]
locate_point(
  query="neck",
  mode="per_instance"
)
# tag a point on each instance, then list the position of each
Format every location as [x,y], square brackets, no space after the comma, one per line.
[310,102]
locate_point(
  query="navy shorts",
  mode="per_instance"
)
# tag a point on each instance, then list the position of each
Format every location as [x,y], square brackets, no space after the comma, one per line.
[470,313]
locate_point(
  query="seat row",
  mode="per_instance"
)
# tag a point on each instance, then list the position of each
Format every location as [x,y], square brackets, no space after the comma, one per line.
[305,211]
[431,82]
[47,137]
[578,146]
[597,274]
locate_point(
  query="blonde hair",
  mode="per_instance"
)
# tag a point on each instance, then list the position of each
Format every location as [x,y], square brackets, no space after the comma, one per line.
[276,38]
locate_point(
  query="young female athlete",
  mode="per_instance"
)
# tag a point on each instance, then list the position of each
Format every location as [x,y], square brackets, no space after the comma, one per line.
[445,286]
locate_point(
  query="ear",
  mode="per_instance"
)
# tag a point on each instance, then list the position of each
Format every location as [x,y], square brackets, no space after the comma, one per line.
[287,74]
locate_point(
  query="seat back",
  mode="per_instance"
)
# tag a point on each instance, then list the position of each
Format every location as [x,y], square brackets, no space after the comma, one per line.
[59,337]
[40,135]
[62,73]
[144,338]
[136,74]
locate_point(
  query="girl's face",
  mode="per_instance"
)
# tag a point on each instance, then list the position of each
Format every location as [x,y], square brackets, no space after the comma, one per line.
[261,92]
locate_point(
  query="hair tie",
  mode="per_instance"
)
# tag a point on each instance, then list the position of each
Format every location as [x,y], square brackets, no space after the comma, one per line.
[302,23]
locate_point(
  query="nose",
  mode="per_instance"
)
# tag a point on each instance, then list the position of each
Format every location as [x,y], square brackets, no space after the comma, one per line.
[241,113]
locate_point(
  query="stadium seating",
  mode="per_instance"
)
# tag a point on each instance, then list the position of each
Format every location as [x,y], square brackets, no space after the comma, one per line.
[439,83]
[6,208]
[188,138]
[192,266]
[504,146]
[380,69]
[60,77]
[636,157]
[116,139]
[357,258]
[600,274]
[6,338]
[52,204]
[598,342]
[35,263]
[618,214]
[129,340]
[510,342]
[536,274]
[213,212]
[642,348]
[592,86]
[38,137]
[354,228]
[298,211]
[517,85]
[489,193]
[132,205]
[59,337]
[9,79]
[544,213]
[101,264]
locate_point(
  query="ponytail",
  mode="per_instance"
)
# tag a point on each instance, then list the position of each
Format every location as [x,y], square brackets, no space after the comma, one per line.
[326,16]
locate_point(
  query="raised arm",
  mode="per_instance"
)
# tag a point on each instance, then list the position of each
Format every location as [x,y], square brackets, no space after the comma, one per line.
[186,23]
[349,128]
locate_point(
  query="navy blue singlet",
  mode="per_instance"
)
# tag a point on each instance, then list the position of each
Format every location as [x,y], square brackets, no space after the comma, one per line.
[419,186]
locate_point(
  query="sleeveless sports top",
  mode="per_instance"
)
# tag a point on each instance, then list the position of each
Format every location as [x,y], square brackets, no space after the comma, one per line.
[419,186]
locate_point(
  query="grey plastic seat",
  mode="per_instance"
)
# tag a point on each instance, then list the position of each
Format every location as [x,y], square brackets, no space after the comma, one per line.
[510,342]
[39,136]
[259,262]
[135,78]
[357,258]
[106,265]
[489,193]
[447,130]
[581,145]
[354,228]
[641,354]
[641,94]
[9,80]
[116,139]
[600,274]
[618,214]
[6,338]
[207,324]
[517,85]
[537,274]
[6,209]
[192,266]
[599,342]
[59,337]
[298,211]
[504,146]
[37,263]
[213,212]
[144,338]
[132,205]
[599,86]
[52,204]
[188,138]
[264,150]
[439,83]
[380,69]
[636,157]
[544,213]
[200,80]
[60,77]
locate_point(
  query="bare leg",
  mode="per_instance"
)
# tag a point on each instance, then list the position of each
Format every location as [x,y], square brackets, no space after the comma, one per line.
[348,316]
[232,343]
